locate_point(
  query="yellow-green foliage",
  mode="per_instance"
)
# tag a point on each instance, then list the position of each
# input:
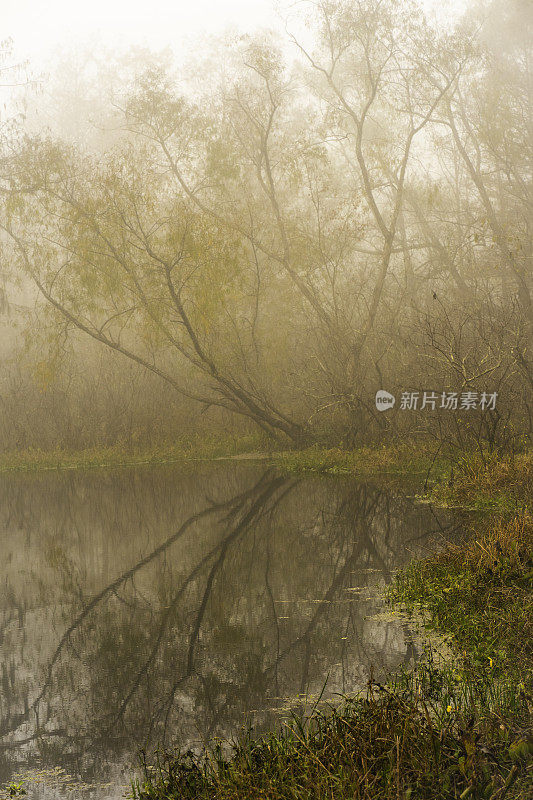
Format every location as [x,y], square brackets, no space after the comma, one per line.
[481,592]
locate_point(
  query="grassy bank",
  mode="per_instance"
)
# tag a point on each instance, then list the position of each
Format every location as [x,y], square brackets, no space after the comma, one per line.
[468,481]
[480,595]
[365,461]
[459,728]
[193,448]
[459,479]
[404,740]
[385,461]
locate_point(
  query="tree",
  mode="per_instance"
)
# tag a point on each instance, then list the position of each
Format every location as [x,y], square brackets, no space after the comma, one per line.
[120,256]
[488,117]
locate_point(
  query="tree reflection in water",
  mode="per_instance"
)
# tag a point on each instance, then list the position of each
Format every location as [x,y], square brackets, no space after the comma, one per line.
[116,636]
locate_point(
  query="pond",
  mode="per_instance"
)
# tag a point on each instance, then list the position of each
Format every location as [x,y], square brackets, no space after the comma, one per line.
[162,607]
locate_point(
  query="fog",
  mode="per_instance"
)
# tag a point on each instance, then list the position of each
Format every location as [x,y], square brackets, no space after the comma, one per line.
[241,242]
[38,31]
[248,217]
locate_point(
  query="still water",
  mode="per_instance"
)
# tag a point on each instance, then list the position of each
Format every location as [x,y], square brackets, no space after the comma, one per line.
[151,607]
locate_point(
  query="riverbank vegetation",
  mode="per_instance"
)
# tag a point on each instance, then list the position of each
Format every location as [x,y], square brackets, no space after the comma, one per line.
[364,461]
[185,449]
[447,476]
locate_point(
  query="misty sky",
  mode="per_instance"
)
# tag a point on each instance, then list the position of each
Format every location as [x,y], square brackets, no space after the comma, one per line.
[38,27]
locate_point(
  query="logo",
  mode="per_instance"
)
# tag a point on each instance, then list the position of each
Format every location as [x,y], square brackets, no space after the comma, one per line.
[441,400]
[384,400]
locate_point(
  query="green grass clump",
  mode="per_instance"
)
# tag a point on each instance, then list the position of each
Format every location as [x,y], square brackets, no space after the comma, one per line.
[389,461]
[12,790]
[481,594]
[487,483]
[401,741]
